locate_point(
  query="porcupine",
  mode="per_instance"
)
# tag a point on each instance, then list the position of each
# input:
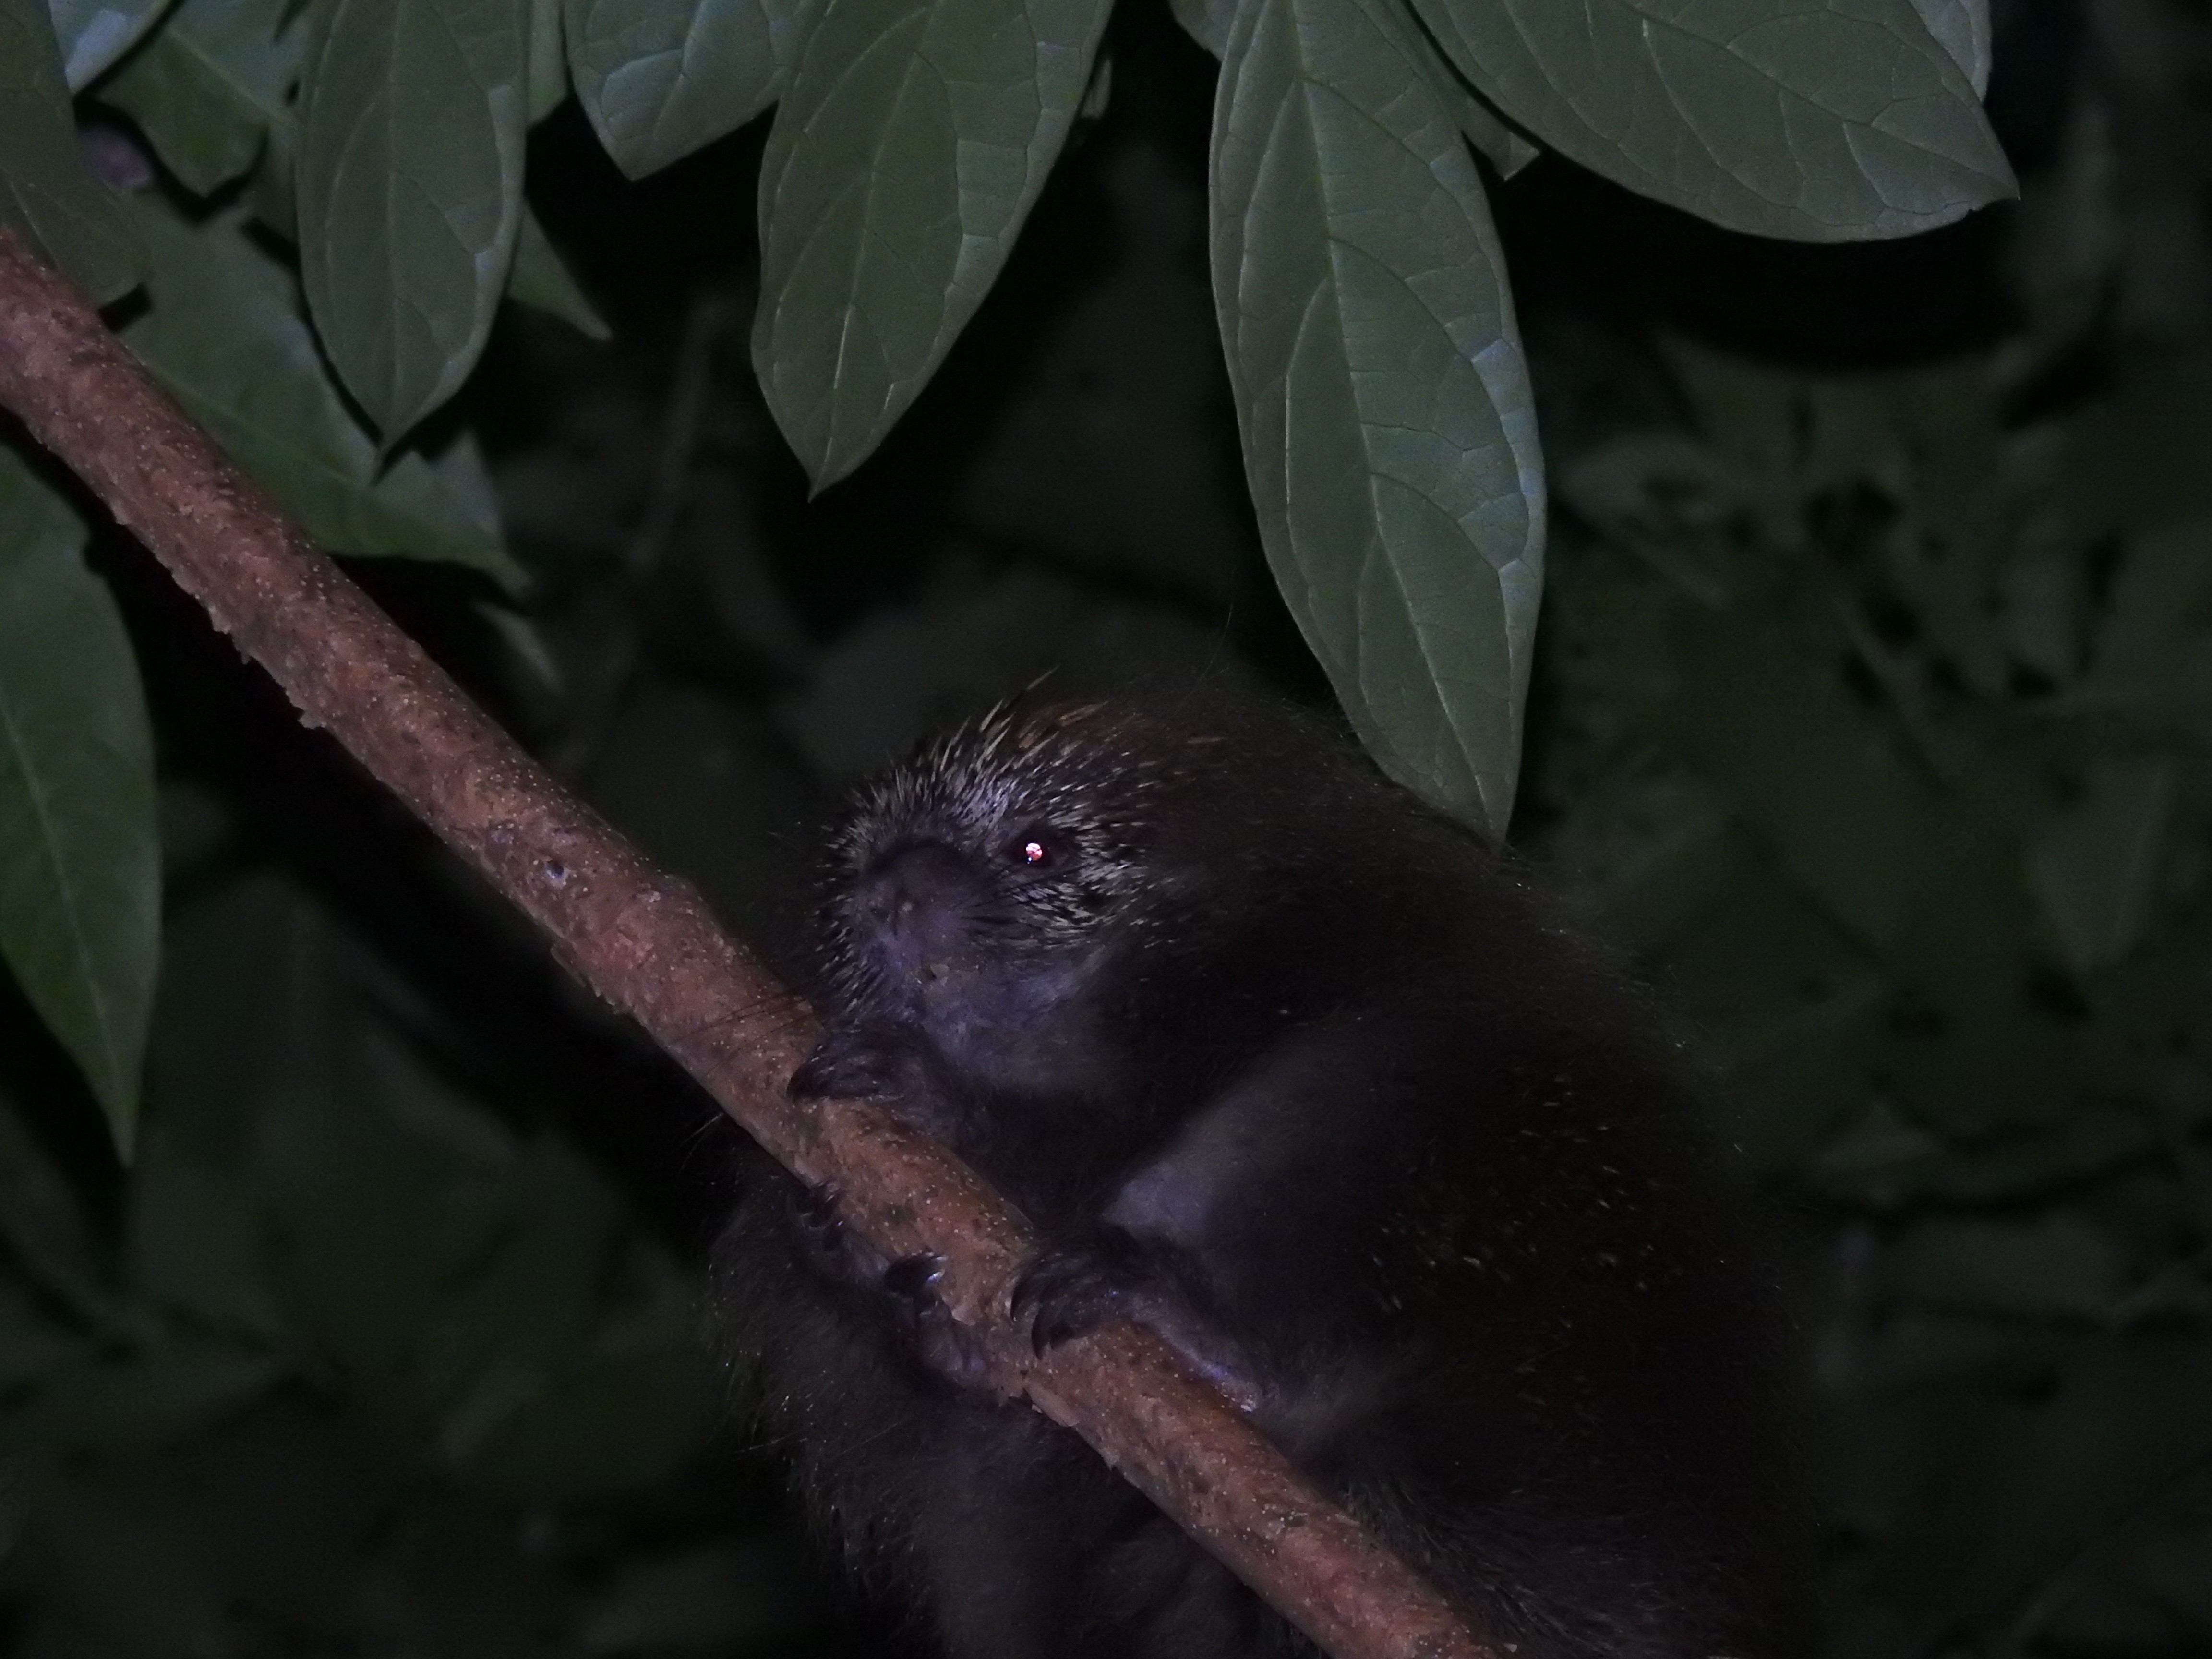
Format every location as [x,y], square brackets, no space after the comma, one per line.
[1293,1068]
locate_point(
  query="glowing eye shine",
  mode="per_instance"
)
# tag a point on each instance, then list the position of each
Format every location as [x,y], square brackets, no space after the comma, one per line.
[1034,852]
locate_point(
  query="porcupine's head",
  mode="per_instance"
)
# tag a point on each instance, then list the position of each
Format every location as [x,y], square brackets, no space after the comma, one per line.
[989,877]
[1020,887]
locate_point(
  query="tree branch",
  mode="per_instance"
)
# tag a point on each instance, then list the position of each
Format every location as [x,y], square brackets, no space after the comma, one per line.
[645,943]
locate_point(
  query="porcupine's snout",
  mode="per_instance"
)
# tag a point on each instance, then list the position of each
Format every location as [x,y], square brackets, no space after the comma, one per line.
[914,902]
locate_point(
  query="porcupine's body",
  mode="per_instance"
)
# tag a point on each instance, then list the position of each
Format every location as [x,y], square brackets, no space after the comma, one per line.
[1289,1067]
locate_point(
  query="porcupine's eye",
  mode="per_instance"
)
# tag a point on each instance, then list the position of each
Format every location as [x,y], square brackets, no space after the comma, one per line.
[1037,847]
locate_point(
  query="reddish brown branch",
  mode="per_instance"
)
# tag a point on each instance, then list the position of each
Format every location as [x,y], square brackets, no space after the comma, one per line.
[646,942]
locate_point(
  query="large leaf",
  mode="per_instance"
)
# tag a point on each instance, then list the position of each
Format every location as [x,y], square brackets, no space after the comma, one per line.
[1827,120]
[93,35]
[409,173]
[1388,435]
[546,76]
[2095,866]
[80,855]
[1208,22]
[225,334]
[1501,146]
[913,139]
[660,78]
[207,89]
[47,197]
[1963,26]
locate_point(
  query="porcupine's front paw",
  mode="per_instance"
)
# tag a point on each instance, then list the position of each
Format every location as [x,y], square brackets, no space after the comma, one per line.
[1070,1291]
[825,1245]
[856,1063]
[945,1346]
[904,1290]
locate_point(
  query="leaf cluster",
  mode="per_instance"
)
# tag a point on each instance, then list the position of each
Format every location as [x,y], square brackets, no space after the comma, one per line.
[1360,290]
[1881,727]
[350,1363]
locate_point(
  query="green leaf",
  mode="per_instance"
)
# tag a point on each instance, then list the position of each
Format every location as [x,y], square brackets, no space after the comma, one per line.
[2094,866]
[137,1580]
[1792,1004]
[47,197]
[271,190]
[1207,21]
[1829,788]
[625,1412]
[2151,650]
[1853,822]
[50,1241]
[1503,147]
[531,1299]
[378,1217]
[207,89]
[225,334]
[540,278]
[93,35]
[1963,27]
[80,855]
[1389,439]
[158,1395]
[547,72]
[907,152]
[1826,120]
[35,1347]
[196,1232]
[410,175]
[2058,1265]
[660,78]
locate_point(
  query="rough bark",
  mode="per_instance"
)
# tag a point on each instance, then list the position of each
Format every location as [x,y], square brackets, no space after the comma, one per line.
[645,943]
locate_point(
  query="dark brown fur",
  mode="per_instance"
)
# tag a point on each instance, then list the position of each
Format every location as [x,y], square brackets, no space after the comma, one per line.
[1291,1068]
